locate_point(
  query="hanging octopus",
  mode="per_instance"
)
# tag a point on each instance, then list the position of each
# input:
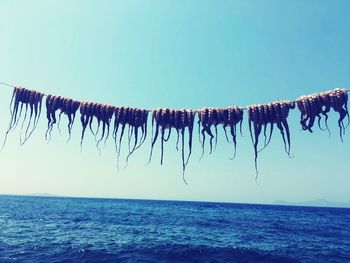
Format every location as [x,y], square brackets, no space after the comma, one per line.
[312,106]
[208,117]
[103,114]
[136,119]
[262,116]
[30,99]
[163,121]
[68,107]
[85,116]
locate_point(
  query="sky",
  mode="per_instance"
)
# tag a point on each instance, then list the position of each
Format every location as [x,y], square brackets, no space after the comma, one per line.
[176,54]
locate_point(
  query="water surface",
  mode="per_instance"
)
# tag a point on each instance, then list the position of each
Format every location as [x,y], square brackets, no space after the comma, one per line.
[50,229]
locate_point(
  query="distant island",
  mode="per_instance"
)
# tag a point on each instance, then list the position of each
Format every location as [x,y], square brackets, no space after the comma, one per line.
[43,195]
[316,202]
[313,203]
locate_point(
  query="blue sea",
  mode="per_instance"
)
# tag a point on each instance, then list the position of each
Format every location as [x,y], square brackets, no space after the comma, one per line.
[50,229]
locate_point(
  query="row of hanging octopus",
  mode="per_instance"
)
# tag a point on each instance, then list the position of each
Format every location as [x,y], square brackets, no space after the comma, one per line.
[103,120]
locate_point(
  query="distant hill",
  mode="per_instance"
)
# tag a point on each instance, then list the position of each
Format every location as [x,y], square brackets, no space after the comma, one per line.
[316,202]
[43,194]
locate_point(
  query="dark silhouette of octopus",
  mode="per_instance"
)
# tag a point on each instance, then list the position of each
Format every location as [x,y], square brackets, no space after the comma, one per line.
[163,121]
[136,120]
[314,105]
[262,116]
[67,106]
[227,117]
[30,99]
[103,115]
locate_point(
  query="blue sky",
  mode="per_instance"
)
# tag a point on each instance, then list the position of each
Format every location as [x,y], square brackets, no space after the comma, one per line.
[179,54]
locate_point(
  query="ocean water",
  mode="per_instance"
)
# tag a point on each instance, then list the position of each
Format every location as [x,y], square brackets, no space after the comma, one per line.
[46,229]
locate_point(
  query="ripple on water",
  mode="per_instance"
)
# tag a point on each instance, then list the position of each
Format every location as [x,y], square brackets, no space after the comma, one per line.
[36,229]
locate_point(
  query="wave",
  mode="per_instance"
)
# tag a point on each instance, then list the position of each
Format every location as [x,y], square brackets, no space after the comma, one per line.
[163,253]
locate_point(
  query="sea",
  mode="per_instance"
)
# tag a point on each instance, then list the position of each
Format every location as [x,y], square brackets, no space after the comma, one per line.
[58,229]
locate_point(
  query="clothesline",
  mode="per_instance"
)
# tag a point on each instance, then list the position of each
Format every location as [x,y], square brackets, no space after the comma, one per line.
[196,111]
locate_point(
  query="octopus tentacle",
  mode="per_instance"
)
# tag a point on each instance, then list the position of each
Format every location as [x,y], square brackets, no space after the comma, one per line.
[31,102]
[37,109]
[92,110]
[234,140]
[54,107]
[156,119]
[200,116]
[164,122]
[204,121]
[183,154]
[124,121]
[312,117]
[337,102]
[236,117]
[225,121]
[28,100]
[278,120]
[48,114]
[144,121]
[284,111]
[61,102]
[110,112]
[74,108]
[162,145]
[268,119]
[14,92]
[327,107]
[254,119]
[117,121]
[177,125]
[216,121]
[250,121]
[86,116]
[271,115]
[101,116]
[132,130]
[20,93]
[208,129]
[116,124]
[68,111]
[317,109]
[302,106]
[266,124]
[23,100]
[191,116]
[167,121]
[143,124]
[257,131]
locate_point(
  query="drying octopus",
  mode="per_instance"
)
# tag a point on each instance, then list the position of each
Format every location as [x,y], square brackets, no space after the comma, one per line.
[227,117]
[103,114]
[163,121]
[30,99]
[136,120]
[261,117]
[67,106]
[314,105]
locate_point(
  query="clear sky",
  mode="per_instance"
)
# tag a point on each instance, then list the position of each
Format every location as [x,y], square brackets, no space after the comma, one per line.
[179,54]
